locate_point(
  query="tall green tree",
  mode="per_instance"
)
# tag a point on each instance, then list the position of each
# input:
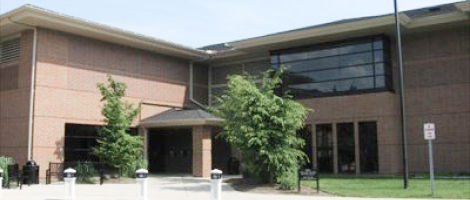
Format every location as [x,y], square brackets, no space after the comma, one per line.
[116,147]
[263,126]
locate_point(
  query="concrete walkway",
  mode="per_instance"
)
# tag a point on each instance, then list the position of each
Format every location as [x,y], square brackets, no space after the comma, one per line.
[161,187]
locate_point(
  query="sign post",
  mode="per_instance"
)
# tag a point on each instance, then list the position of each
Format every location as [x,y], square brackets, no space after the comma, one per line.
[308,175]
[430,135]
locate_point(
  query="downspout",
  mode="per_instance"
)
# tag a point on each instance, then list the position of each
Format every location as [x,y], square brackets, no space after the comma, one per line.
[31,95]
[32,87]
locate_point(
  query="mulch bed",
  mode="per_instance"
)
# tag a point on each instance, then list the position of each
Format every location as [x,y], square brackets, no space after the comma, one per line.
[242,185]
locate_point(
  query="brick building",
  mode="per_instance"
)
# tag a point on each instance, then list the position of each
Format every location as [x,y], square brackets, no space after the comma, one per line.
[346,71]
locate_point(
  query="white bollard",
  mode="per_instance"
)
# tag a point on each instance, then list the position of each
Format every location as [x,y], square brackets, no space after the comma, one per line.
[69,179]
[141,178]
[216,184]
[1,182]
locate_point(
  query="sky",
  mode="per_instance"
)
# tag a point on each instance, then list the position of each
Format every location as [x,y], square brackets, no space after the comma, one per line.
[198,23]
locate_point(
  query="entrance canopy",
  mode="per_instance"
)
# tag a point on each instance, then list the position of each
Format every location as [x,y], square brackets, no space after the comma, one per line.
[200,122]
[174,118]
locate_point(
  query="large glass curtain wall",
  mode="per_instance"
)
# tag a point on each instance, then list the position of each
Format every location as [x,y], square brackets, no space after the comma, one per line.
[350,67]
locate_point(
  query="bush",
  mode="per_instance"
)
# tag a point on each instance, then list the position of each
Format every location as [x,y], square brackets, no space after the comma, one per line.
[85,172]
[4,162]
[130,169]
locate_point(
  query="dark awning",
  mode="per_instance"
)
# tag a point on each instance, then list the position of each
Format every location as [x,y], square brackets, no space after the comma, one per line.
[174,117]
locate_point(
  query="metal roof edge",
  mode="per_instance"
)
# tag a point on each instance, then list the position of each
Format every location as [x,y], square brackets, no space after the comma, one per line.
[336,26]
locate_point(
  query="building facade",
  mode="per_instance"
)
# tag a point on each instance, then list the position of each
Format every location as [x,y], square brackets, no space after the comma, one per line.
[346,71]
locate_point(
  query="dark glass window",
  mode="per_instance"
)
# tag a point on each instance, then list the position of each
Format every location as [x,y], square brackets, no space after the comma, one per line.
[306,134]
[368,151]
[80,140]
[324,141]
[355,66]
[346,151]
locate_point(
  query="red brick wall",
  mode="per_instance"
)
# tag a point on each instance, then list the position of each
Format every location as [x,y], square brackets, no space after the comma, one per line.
[437,73]
[68,69]
[14,103]
[437,78]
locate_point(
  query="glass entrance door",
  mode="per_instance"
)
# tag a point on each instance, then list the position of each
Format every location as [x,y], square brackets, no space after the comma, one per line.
[346,151]
[368,151]
[324,138]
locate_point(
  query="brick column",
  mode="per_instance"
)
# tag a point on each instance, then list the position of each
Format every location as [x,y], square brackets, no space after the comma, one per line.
[202,154]
[144,133]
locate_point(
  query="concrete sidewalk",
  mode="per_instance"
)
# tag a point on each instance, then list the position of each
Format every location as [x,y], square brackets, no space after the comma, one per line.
[161,187]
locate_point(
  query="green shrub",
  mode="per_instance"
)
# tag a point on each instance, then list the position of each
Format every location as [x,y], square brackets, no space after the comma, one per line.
[4,162]
[263,126]
[130,169]
[85,172]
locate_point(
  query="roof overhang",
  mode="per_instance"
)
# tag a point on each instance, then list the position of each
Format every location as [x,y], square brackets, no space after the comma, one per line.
[27,17]
[179,118]
[346,29]
[182,123]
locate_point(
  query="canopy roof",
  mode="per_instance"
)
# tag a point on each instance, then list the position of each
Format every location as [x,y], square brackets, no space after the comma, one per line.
[175,117]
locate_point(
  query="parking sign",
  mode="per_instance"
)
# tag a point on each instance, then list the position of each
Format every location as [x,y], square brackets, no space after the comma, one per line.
[429,131]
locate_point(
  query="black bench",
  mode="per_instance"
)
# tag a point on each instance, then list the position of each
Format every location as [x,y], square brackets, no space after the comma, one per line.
[308,174]
[14,173]
[55,169]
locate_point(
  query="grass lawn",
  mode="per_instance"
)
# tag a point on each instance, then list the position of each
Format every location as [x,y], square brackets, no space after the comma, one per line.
[392,187]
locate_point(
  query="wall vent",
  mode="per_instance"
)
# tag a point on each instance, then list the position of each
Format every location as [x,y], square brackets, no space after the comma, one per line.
[10,51]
